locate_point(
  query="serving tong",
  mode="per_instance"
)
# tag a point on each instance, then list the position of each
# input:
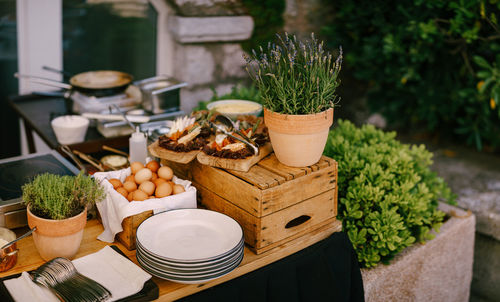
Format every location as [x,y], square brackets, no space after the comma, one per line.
[61,277]
[223,123]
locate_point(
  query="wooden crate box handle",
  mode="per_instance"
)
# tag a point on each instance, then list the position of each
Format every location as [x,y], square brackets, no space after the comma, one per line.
[297,221]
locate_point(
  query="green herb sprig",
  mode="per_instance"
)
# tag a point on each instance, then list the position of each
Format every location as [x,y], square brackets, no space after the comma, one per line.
[58,197]
[295,77]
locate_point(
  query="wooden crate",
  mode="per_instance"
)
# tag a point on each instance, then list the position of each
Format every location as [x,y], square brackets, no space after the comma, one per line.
[273,203]
[128,236]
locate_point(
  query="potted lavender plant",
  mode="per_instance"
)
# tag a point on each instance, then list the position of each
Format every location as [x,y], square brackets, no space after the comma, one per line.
[297,81]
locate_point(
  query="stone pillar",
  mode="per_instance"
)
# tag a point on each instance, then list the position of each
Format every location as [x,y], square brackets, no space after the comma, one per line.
[207,36]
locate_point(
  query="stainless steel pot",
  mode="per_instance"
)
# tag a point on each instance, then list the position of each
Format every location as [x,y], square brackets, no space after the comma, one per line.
[160,94]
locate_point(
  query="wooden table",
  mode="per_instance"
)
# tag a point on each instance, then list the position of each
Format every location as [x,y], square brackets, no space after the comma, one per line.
[29,259]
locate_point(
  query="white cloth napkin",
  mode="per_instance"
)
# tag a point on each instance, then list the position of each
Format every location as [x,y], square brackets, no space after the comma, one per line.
[113,271]
[114,208]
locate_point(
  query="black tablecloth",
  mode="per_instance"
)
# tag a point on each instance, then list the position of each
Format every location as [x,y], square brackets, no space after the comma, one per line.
[325,271]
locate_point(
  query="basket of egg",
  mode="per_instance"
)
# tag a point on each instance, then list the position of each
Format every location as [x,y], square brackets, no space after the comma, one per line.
[136,193]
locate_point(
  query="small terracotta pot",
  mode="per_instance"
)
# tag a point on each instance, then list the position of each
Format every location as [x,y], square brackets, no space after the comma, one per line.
[298,140]
[57,238]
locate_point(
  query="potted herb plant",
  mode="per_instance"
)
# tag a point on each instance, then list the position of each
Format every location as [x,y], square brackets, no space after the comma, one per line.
[297,81]
[57,207]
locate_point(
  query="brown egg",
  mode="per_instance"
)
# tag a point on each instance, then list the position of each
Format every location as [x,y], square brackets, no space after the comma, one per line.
[178,189]
[165,173]
[140,195]
[159,181]
[136,166]
[122,191]
[164,189]
[147,187]
[152,197]
[143,175]
[153,166]
[115,182]
[155,176]
[130,196]
[130,178]
[130,186]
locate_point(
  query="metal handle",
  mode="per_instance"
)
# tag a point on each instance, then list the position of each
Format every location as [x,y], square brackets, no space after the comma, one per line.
[223,130]
[44,81]
[173,87]
[57,71]
[18,238]
[67,151]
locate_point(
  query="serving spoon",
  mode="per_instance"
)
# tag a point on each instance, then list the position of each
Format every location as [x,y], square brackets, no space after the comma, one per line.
[18,238]
[225,121]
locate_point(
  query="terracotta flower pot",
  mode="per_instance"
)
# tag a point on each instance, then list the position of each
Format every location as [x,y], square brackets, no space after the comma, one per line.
[298,140]
[57,238]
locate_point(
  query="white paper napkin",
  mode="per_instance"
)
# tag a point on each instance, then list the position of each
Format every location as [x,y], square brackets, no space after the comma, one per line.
[114,208]
[113,271]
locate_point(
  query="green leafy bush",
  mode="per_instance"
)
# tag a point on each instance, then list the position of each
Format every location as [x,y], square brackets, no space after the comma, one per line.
[58,197]
[388,196]
[416,58]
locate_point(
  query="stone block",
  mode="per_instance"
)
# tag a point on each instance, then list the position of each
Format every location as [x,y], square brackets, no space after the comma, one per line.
[210,29]
[233,64]
[197,8]
[191,97]
[194,64]
[439,270]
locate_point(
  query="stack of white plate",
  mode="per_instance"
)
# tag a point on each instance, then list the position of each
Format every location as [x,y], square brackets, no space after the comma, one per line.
[189,245]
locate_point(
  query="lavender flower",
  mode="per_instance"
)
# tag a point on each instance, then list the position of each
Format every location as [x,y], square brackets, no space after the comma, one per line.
[295,77]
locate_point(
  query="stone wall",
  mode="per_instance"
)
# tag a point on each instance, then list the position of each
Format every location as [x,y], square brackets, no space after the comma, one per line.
[207,36]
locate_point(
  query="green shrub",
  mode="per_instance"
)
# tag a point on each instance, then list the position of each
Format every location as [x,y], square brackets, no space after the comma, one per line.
[388,196]
[416,58]
[58,197]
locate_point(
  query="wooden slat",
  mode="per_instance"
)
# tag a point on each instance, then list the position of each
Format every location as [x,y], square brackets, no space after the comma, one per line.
[318,209]
[229,187]
[260,177]
[322,163]
[179,157]
[296,190]
[249,223]
[129,224]
[272,164]
[234,164]
[298,235]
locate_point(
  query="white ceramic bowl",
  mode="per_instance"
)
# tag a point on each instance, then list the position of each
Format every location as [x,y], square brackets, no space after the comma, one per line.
[233,108]
[70,129]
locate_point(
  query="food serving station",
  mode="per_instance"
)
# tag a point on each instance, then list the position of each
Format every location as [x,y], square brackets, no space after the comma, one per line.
[209,205]
[282,210]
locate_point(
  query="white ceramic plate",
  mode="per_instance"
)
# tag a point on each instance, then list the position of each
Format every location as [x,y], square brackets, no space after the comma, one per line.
[189,235]
[189,280]
[191,274]
[188,266]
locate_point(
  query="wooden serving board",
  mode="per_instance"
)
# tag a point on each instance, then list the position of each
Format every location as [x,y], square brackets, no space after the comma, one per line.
[242,165]
[178,157]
